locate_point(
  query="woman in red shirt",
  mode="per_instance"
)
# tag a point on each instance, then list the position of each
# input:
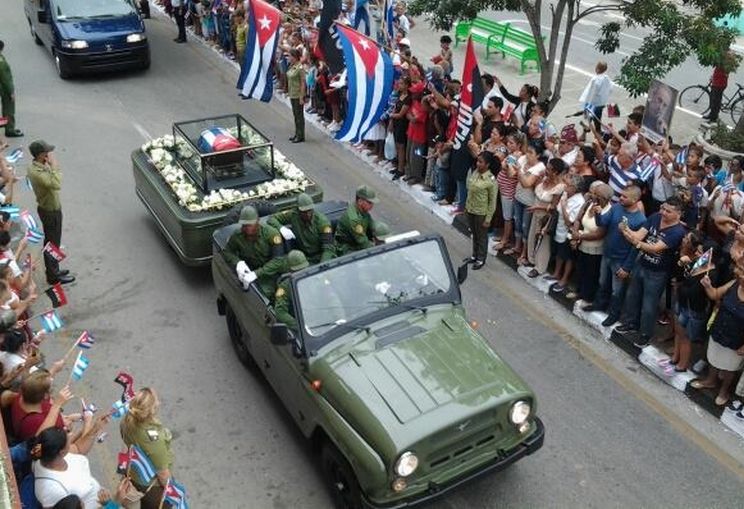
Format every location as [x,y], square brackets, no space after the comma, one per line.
[34,410]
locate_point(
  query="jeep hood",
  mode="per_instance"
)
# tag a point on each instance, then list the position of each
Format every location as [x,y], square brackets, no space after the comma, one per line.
[415,376]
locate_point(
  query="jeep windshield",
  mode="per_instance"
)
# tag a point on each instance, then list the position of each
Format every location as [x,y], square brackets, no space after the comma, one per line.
[406,278]
[86,9]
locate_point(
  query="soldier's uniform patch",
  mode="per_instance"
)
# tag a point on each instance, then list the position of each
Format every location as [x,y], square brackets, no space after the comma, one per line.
[279,293]
[277,239]
[358,229]
[326,229]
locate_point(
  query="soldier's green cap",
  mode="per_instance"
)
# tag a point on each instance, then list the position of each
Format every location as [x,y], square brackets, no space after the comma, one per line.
[366,193]
[39,147]
[304,202]
[381,230]
[249,215]
[8,319]
[296,260]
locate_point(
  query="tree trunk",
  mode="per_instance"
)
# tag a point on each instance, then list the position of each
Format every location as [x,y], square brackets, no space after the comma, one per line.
[570,22]
[739,128]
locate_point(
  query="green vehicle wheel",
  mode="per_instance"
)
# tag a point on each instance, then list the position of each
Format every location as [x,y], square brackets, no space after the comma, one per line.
[236,338]
[340,479]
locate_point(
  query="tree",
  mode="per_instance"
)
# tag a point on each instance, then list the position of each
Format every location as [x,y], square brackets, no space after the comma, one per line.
[678,29]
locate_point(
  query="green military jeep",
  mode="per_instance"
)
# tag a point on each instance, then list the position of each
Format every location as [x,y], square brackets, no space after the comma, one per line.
[403,399]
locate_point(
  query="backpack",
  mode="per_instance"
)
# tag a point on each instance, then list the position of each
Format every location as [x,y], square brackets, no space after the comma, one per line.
[27,493]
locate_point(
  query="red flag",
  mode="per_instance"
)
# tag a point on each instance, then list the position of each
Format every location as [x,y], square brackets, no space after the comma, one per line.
[57,295]
[122,462]
[471,98]
[55,252]
[127,382]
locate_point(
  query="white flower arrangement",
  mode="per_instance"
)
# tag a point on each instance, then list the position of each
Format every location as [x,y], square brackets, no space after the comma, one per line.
[163,151]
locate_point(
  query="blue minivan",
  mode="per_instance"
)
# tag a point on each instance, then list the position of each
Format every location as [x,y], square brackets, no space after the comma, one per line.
[89,35]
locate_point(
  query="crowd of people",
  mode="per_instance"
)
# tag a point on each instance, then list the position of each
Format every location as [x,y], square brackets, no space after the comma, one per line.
[618,220]
[48,440]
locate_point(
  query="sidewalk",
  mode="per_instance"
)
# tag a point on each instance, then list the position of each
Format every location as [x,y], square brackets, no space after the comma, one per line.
[426,42]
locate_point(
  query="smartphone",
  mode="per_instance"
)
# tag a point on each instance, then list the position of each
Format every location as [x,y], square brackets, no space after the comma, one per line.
[510,159]
[624,220]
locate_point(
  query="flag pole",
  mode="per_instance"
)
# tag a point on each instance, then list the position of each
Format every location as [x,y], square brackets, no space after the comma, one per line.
[72,349]
[165,493]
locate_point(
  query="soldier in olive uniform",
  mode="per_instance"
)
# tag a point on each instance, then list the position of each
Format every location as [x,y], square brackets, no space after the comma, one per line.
[256,251]
[310,229]
[7,96]
[354,229]
[282,303]
[141,427]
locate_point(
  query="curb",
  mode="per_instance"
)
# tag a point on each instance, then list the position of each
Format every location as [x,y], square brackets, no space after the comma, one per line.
[649,356]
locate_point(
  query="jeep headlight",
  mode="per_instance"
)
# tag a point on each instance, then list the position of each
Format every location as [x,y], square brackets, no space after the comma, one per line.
[74,44]
[406,464]
[136,37]
[519,412]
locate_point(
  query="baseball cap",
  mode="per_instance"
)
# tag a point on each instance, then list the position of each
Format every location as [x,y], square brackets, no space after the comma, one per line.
[405,42]
[39,147]
[249,215]
[304,202]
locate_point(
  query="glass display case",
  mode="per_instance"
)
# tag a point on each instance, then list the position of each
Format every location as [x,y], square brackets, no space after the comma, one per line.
[224,152]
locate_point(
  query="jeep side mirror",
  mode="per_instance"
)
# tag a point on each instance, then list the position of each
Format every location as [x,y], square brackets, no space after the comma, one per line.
[462,272]
[41,16]
[279,334]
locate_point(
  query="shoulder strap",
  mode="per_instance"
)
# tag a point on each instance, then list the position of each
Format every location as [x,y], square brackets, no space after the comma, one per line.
[52,479]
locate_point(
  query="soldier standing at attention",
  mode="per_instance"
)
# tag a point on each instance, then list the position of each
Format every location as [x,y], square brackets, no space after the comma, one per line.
[7,96]
[256,252]
[141,427]
[46,181]
[282,303]
[311,229]
[354,230]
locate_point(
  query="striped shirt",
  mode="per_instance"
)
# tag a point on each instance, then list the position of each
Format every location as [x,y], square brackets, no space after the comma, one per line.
[620,178]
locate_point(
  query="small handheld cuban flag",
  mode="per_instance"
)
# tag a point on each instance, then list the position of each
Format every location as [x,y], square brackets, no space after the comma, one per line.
[390,19]
[51,321]
[140,463]
[81,364]
[264,22]
[14,212]
[88,407]
[14,155]
[175,494]
[86,340]
[28,219]
[55,252]
[119,409]
[370,76]
[34,236]
[681,157]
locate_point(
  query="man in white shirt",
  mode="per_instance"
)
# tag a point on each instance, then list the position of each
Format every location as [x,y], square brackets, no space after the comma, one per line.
[596,94]
[179,12]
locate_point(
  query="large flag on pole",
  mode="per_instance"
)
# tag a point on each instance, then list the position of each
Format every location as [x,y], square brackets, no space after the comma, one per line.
[471,98]
[328,34]
[389,17]
[370,76]
[256,80]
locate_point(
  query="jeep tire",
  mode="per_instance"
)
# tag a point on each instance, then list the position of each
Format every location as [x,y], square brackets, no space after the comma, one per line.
[236,338]
[340,478]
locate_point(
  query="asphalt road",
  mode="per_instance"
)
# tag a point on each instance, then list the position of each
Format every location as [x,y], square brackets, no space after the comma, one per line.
[235,446]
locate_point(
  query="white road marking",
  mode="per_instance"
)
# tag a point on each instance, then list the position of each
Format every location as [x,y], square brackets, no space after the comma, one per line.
[580,39]
[147,136]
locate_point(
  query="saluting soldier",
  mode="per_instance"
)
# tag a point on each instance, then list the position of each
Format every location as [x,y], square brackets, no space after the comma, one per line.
[296,260]
[256,251]
[141,427]
[311,229]
[354,229]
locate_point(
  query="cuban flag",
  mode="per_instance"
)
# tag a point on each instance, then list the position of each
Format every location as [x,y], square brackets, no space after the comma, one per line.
[14,156]
[86,340]
[81,364]
[370,77]
[51,321]
[175,494]
[119,409]
[28,219]
[216,139]
[34,236]
[390,19]
[256,76]
[681,157]
[88,407]
[361,14]
[14,212]
[139,461]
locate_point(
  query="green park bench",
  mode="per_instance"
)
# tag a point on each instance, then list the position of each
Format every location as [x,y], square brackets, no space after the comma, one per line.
[501,38]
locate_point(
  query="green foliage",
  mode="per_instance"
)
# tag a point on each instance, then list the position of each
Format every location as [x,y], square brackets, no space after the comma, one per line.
[678,29]
[726,138]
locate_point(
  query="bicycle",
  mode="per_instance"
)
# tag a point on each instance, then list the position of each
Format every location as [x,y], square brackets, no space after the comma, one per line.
[697,99]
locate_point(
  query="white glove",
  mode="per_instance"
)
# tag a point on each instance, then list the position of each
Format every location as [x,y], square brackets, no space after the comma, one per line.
[383,287]
[286,233]
[241,268]
[247,278]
